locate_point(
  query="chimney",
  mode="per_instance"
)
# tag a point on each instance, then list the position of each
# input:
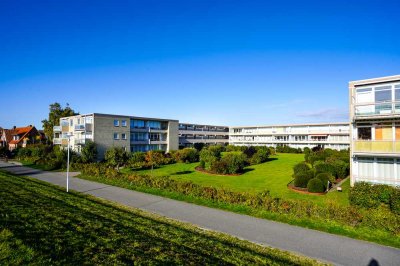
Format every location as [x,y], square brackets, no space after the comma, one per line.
[14,127]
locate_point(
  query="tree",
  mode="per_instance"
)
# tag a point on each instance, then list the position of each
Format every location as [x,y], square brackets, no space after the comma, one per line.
[154,158]
[56,112]
[89,152]
[116,157]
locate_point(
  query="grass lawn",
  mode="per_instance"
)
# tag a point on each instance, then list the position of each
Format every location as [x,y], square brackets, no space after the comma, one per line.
[273,175]
[43,225]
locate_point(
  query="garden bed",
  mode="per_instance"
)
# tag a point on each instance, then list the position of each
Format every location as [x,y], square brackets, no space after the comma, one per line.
[303,190]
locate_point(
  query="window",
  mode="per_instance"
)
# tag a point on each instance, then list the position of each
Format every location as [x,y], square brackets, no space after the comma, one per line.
[116,123]
[123,123]
[71,122]
[364,133]
[383,132]
[139,136]
[116,136]
[154,124]
[123,136]
[154,137]
[137,123]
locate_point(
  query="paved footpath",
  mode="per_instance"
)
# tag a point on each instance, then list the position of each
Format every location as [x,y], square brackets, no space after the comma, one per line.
[323,246]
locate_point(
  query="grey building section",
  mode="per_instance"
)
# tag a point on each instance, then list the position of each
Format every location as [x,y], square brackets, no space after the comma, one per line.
[129,132]
[189,134]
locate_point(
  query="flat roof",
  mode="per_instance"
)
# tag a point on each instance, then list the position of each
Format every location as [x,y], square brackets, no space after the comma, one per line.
[375,80]
[296,125]
[126,116]
[191,124]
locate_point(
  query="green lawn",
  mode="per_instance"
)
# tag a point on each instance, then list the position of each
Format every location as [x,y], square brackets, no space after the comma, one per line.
[41,224]
[273,175]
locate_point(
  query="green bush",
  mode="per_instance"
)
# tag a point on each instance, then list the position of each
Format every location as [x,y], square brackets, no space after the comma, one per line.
[301,168]
[187,155]
[363,195]
[315,185]
[323,167]
[235,162]
[137,160]
[395,201]
[261,156]
[324,177]
[301,180]
[207,158]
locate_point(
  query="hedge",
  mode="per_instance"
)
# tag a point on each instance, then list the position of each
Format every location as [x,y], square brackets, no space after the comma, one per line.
[352,216]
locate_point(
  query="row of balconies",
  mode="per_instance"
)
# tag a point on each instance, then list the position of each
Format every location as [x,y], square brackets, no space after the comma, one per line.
[64,141]
[376,146]
[310,132]
[79,127]
[384,109]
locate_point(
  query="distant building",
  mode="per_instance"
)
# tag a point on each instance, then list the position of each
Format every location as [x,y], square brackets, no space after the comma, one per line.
[190,134]
[327,135]
[375,130]
[106,130]
[19,137]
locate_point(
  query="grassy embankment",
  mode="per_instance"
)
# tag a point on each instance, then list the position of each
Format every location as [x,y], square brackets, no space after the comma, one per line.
[41,224]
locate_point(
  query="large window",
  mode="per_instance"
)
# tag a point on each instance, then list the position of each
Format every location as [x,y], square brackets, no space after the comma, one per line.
[365,167]
[154,124]
[139,136]
[383,94]
[364,133]
[137,123]
[154,136]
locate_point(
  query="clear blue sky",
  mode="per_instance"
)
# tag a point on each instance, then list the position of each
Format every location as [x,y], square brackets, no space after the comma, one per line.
[216,62]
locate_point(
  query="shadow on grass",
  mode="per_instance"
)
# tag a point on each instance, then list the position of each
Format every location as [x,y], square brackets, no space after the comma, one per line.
[182,172]
[271,159]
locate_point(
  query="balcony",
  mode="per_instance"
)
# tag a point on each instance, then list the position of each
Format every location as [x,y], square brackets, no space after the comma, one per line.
[57,129]
[80,141]
[376,146]
[60,141]
[386,109]
[83,127]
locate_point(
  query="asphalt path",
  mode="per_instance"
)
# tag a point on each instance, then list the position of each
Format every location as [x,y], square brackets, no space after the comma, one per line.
[326,247]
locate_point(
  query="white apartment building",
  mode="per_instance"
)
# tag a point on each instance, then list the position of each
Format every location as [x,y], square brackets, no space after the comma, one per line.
[189,134]
[106,130]
[327,135]
[375,130]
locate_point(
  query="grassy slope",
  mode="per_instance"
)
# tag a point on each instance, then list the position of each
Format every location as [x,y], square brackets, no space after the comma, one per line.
[41,224]
[273,176]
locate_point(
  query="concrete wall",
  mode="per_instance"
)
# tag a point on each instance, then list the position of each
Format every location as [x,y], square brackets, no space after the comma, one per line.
[104,129]
[173,136]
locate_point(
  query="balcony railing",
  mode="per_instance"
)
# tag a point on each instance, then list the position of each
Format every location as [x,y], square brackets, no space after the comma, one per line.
[57,128]
[60,141]
[377,109]
[376,146]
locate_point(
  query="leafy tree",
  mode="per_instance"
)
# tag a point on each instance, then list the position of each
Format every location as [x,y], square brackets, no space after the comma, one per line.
[56,112]
[116,157]
[137,159]
[89,152]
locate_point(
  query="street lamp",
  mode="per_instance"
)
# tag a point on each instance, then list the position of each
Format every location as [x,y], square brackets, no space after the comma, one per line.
[69,135]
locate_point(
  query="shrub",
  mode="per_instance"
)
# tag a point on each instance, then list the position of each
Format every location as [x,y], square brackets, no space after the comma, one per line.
[362,195]
[216,150]
[301,168]
[187,155]
[315,185]
[154,158]
[325,177]
[261,156]
[301,180]
[89,152]
[395,201]
[323,167]
[249,151]
[137,160]
[116,157]
[235,162]
[219,167]
[207,158]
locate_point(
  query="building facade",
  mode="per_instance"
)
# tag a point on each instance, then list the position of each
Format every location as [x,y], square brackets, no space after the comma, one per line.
[129,132]
[328,135]
[375,130]
[189,134]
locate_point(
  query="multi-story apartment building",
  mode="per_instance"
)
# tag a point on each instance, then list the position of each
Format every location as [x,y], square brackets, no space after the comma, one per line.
[375,130]
[129,132]
[328,135]
[190,134]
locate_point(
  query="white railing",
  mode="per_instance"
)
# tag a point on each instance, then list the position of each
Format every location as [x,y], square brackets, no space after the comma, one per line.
[377,109]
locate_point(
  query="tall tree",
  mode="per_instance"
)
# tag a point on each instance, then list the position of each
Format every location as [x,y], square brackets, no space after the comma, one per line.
[55,113]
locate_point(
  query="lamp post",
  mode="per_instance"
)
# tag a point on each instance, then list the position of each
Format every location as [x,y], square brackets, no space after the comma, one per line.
[69,139]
